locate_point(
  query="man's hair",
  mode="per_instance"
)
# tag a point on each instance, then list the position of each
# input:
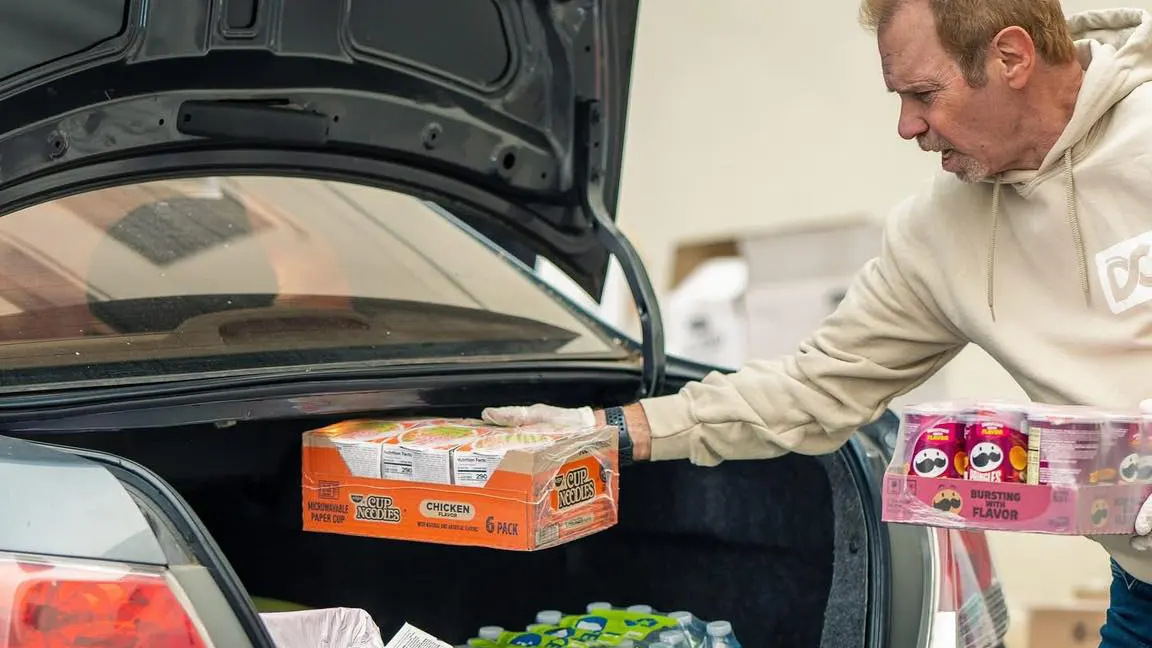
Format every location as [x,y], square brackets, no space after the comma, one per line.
[966,28]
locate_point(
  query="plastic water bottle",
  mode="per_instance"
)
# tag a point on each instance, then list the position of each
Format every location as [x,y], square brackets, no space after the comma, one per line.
[491,633]
[720,635]
[659,644]
[549,617]
[597,606]
[640,609]
[694,629]
[675,638]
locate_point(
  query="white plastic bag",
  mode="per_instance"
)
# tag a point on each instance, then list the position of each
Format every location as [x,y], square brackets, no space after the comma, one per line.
[326,628]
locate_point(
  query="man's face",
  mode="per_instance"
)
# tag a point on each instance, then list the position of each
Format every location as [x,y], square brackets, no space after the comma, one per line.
[972,128]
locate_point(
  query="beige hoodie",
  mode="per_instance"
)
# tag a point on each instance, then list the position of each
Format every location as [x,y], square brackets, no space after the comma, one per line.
[1048,271]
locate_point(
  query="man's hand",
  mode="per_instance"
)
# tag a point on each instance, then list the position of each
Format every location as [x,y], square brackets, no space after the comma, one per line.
[518,415]
[1143,541]
[580,417]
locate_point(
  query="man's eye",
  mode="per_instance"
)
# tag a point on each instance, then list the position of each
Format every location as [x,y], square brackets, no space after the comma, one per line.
[924,97]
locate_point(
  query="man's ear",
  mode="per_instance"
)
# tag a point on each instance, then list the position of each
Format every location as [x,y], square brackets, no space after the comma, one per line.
[1012,56]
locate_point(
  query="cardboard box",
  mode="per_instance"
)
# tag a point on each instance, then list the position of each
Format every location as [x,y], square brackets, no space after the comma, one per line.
[1092,593]
[1049,509]
[757,294]
[468,484]
[1066,626]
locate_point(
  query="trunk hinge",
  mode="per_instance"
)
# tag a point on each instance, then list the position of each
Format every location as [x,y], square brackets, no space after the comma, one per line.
[590,158]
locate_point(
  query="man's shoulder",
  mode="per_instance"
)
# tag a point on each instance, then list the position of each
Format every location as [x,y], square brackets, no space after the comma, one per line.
[1141,96]
[940,209]
[1129,122]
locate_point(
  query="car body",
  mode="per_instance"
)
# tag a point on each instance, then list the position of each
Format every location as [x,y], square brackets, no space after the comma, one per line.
[229,221]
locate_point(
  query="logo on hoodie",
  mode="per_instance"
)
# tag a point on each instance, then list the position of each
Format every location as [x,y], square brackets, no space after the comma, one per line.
[1125,271]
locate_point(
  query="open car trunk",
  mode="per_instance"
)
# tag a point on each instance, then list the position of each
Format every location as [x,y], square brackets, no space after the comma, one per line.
[777,547]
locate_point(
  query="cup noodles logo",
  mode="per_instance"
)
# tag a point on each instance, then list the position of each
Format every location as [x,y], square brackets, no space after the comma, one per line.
[374,508]
[574,487]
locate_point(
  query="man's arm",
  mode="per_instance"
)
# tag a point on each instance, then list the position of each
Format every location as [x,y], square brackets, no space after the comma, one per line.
[638,430]
[886,337]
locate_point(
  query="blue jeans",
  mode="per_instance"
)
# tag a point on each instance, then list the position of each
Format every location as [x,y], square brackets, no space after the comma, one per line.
[1129,622]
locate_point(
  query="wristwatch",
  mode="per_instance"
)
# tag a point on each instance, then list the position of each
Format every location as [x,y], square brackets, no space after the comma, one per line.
[615,416]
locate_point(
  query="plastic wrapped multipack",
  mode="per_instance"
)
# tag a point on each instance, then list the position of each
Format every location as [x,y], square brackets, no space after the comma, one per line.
[1031,467]
[603,624]
[329,627]
[460,481]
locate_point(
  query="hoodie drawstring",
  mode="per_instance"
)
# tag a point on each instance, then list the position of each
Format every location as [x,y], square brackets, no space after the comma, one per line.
[992,248]
[1073,222]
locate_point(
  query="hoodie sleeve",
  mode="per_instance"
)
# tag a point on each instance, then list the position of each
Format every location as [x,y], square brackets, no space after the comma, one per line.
[885,338]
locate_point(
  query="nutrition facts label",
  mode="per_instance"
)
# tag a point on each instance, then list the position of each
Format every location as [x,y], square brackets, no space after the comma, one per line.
[362,460]
[1064,456]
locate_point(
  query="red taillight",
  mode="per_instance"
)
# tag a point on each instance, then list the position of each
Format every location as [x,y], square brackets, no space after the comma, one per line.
[52,604]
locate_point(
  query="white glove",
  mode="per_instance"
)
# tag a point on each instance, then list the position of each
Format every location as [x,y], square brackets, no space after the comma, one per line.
[1143,541]
[519,415]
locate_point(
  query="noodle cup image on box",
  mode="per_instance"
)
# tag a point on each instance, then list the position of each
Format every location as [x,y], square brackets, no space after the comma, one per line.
[461,482]
[424,453]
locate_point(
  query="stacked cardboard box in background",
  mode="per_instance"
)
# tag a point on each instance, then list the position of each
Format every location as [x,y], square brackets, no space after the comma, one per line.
[1075,624]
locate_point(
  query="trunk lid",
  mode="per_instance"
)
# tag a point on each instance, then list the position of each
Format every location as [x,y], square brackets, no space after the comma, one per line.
[517,103]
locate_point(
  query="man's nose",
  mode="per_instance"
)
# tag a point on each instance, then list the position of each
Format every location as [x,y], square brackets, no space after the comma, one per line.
[910,125]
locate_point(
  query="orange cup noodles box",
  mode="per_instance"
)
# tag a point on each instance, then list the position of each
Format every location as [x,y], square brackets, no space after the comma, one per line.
[1033,467]
[459,481]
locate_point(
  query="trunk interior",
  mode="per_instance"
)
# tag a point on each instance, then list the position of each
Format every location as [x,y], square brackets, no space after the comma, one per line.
[777,547]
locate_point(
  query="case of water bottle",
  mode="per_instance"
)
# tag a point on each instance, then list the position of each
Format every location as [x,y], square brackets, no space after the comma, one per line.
[602,624]
[1032,467]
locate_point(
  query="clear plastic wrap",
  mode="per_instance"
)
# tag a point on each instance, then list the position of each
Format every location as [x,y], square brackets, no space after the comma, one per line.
[330,627]
[602,624]
[998,465]
[970,590]
[460,481]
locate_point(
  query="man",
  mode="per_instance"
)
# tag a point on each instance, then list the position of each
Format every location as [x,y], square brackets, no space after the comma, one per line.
[1033,244]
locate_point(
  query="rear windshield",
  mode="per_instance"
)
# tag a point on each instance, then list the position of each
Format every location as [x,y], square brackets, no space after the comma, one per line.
[239,274]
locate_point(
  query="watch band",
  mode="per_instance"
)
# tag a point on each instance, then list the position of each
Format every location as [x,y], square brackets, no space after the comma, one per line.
[615,416]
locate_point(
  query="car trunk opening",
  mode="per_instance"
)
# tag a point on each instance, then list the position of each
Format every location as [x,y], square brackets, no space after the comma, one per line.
[755,543]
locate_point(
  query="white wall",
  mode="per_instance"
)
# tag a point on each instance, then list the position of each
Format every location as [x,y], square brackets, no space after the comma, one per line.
[748,113]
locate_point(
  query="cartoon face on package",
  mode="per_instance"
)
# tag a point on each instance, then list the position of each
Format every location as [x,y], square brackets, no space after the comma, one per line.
[1121,452]
[1136,465]
[947,500]
[997,448]
[937,441]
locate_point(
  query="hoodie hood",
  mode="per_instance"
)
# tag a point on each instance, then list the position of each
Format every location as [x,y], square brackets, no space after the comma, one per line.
[1114,46]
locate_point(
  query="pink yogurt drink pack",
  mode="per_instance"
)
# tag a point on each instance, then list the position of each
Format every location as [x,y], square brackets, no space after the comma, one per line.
[1003,466]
